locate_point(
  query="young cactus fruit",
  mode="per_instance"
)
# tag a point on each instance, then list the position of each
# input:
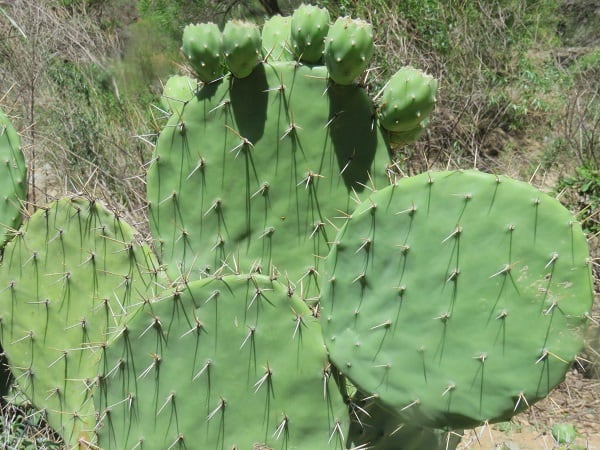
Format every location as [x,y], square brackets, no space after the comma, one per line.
[348,49]
[227,363]
[406,102]
[178,90]
[13,180]
[276,39]
[457,298]
[402,138]
[202,48]
[309,28]
[70,276]
[242,47]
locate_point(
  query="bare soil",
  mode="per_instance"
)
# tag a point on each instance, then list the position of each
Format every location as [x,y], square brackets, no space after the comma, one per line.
[576,401]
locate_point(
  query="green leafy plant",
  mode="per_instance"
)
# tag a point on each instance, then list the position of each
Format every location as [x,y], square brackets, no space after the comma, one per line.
[582,192]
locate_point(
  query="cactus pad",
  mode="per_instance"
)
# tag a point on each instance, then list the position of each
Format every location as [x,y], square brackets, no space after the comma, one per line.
[457,298]
[256,173]
[376,427]
[234,362]
[69,277]
[13,179]
[177,91]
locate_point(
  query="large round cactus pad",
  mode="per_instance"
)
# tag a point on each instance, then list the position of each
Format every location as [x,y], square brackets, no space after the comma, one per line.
[229,363]
[256,172]
[457,297]
[13,180]
[69,277]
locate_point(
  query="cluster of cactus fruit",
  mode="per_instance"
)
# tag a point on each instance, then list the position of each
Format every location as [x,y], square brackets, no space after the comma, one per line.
[298,293]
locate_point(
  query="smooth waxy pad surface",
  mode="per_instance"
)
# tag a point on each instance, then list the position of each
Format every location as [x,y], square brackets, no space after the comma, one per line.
[457,297]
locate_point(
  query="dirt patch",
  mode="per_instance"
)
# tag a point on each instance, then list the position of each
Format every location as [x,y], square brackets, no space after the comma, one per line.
[576,401]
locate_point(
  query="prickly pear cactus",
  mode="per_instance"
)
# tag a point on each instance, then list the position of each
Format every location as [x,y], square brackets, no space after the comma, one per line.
[276,44]
[242,44]
[378,428]
[177,91]
[70,276]
[231,362]
[407,99]
[309,28]
[13,180]
[348,49]
[447,299]
[202,48]
[257,173]
[456,298]
[405,104]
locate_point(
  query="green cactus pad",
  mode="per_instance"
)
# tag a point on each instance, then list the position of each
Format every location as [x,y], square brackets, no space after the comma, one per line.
[178,90]
[242,47]
[13,180]
[457,298]
[234,362]
[402,138]
[69,277]
[202,47]
[375,427]
[406,101]
[348,49]
[276,39]
[309,28]
[257,173]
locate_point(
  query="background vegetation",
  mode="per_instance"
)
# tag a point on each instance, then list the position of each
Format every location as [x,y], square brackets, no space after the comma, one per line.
[519,92]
